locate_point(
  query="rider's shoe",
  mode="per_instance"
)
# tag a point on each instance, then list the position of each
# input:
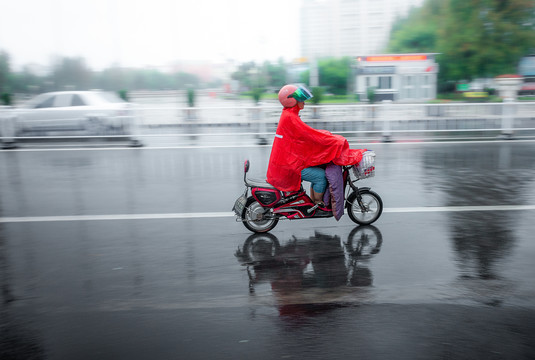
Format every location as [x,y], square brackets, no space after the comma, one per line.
[323,213]
[292,193]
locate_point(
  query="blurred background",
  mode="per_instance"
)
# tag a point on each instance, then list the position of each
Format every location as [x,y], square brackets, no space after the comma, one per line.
[246,48]
[111,252]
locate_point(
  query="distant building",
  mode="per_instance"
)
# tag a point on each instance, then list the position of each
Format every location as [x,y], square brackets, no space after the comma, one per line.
[397,77]
[337,28]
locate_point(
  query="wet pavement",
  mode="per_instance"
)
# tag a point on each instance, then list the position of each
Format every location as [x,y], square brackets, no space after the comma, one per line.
[134,253]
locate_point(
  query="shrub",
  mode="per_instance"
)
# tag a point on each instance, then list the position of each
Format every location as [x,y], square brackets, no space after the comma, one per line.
[370,93]
[6,99]
[318,95]
[257,94]
[123,94]
[191,98]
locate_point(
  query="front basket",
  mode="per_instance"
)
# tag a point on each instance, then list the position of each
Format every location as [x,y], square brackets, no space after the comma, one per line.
[366,167]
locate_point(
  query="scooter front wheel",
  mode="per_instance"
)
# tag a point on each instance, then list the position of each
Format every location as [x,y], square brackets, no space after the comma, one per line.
[256,219]
[365,209]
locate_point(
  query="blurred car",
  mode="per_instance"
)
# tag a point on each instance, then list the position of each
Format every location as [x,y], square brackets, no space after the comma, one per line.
[93,113]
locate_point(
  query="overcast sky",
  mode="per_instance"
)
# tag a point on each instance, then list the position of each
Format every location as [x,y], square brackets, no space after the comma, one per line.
[148,32]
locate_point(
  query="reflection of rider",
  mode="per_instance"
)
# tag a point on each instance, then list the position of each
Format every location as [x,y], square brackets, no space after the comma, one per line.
[315,262]
[284,265]
[298,149]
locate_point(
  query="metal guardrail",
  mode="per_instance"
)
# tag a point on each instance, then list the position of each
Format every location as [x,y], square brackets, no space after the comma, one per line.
[385,121]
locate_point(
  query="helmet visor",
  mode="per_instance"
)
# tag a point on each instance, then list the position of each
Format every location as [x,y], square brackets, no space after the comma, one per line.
[302,94]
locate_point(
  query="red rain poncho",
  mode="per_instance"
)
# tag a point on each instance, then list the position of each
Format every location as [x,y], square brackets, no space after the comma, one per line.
[298,146]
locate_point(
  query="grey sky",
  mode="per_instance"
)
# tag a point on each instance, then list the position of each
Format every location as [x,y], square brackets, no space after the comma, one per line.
[149,32]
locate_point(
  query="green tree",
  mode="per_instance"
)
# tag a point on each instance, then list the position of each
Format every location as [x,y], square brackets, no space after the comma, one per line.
[4,72]
[275,74]
[495,35]
[251,76]
[334,74]
[27,81]
[418,31]
[244,74]
[71,72]
[111,79]
[475,38]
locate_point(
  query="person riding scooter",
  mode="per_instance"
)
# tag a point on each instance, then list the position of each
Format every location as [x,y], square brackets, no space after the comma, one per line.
[299,151]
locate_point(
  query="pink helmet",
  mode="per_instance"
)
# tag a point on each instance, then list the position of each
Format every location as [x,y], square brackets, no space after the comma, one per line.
[289,95]
[285,96]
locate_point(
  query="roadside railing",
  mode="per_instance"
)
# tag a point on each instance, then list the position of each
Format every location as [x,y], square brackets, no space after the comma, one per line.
[381,122]
[385,121]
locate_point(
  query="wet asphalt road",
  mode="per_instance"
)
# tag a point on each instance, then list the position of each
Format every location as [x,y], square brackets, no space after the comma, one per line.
[134,254]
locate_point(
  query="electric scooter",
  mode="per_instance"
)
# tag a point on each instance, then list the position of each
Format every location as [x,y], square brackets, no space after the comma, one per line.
[261,205]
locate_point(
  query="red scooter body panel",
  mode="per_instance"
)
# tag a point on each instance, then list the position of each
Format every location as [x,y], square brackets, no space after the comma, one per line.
[266,197]
[296,209]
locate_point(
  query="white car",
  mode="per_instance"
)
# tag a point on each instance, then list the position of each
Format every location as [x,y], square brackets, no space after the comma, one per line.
[83,113]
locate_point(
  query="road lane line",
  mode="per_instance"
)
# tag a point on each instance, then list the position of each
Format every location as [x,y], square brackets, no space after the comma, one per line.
[200,215]
[114,217]
[459,208]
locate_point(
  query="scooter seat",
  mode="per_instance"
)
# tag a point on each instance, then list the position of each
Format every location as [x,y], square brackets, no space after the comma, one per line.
[260,183]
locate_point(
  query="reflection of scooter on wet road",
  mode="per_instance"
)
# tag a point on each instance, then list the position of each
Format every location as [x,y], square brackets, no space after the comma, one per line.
[318,262]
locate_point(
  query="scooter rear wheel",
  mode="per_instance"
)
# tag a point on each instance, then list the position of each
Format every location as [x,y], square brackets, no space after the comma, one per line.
[255,218]
[371,210]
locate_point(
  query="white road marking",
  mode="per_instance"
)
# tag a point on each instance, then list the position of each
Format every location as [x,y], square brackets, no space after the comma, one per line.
[114,217]
[459,208]
[201,215]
